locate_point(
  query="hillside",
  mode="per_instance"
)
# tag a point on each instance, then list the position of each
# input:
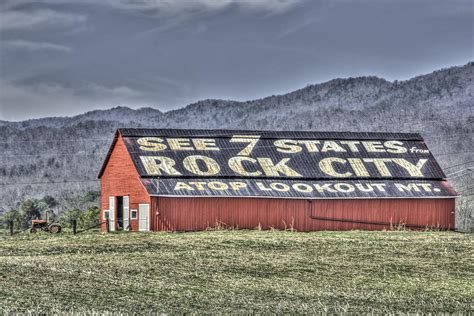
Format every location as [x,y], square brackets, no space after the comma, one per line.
[257,272]
[61,156]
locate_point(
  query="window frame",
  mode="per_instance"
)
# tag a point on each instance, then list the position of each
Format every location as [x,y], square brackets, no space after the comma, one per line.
[106,215]
[136,214]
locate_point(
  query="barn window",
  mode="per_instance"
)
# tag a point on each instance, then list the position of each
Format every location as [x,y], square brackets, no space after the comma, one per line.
[106,214]
[133,214]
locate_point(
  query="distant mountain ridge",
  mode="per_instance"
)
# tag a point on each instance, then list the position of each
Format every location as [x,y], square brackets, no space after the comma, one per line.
[439,105]
[122,114]
[351,94]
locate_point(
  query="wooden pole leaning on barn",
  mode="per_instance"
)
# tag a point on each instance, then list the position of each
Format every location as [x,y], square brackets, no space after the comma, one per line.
[74,226]
[107,226]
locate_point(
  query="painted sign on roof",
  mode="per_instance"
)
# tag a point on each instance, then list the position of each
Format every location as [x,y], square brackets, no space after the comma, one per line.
[280,155]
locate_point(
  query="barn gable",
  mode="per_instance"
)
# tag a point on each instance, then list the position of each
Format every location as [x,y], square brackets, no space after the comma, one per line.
[119,174]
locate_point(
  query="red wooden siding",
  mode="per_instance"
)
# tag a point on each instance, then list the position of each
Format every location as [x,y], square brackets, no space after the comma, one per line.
[120,178]
[190,214]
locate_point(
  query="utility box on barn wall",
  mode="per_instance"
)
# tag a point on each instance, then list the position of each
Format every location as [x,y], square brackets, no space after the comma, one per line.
[187,180]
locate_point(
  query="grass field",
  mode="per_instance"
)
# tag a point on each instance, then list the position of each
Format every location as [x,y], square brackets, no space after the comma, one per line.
[239,271]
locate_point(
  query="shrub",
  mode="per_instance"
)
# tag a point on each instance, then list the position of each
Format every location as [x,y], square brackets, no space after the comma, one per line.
[84,219]
[12,215]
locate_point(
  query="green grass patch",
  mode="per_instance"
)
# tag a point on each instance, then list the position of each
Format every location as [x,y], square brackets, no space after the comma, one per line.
[238,271]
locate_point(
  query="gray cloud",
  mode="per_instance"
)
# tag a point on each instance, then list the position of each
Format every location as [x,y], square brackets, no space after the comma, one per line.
[173,14]
[36,46]
[37,19]
[173,7]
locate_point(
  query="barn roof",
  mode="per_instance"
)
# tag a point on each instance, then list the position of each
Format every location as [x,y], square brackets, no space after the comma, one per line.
[223,133]
[286,164]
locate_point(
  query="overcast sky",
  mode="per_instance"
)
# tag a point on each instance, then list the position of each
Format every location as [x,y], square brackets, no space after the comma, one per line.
[64,57]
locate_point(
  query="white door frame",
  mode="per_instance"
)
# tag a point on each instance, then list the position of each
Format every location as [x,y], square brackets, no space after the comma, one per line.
[144,217]
[126,213]
[112,213]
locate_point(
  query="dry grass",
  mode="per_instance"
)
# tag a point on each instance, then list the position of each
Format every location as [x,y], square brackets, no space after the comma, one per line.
[239,271]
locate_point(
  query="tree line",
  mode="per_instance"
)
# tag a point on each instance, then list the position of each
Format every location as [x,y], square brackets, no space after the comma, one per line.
[44,208]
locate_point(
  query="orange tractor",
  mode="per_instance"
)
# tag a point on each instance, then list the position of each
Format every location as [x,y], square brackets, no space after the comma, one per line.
[47,225]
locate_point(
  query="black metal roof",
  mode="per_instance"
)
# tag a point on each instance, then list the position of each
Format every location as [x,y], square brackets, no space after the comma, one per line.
[372,159]
[225,133]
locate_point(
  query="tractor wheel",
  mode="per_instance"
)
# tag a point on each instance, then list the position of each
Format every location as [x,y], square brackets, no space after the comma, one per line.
[33,230]
[54,229]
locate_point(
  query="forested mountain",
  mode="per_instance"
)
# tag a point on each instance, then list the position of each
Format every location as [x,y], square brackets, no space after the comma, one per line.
[61,156]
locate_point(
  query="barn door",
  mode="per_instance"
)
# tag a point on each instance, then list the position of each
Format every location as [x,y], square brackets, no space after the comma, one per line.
[112,213]
[143,217]
[126,213]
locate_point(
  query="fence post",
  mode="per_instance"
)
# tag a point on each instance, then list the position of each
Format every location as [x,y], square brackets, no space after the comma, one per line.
[10,227]
[74,226]
[107,226]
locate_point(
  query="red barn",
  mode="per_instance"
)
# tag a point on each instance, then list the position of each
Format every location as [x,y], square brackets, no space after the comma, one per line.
[188,180]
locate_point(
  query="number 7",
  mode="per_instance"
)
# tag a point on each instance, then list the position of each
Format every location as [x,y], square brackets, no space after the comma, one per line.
[252,140]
